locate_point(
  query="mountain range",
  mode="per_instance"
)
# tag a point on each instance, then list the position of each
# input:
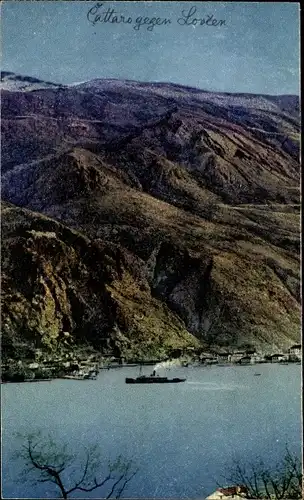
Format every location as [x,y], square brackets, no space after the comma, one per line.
[143,217]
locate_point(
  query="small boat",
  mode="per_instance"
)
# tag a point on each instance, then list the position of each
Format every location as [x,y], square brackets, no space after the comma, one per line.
[257,374]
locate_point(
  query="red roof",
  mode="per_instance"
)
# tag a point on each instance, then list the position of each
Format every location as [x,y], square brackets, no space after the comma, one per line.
[233,490]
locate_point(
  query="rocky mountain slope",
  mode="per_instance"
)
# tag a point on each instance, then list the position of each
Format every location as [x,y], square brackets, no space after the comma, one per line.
[140,217]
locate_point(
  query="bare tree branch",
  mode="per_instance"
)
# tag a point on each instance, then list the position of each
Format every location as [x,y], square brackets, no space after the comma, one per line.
[50,461]
[282,482]
[85,471]
[125,483]
[96,485]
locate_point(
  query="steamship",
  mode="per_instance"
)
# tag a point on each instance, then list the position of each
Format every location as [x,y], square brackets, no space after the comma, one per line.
[153,379]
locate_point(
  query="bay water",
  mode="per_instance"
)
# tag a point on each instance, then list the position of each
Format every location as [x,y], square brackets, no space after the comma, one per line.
[182,437]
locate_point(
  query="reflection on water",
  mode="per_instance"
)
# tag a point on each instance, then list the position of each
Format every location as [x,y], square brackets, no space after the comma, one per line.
[182,436]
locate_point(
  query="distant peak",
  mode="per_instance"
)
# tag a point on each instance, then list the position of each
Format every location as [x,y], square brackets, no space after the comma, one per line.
[16,82]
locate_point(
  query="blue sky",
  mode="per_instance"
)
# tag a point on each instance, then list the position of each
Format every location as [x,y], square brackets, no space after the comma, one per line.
[257,50]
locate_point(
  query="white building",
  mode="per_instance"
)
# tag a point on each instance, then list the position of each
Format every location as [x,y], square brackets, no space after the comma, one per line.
[296,350]
[237,356]
[238,492]
[33,366]
[277,357]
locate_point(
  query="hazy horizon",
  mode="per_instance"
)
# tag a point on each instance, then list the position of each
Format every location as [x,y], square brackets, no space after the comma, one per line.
[148,82]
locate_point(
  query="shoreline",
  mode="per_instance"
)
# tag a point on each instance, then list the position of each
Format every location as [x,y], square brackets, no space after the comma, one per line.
[214,365]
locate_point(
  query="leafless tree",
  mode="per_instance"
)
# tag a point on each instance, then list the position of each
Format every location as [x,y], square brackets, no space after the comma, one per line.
[45,461]
[284,481]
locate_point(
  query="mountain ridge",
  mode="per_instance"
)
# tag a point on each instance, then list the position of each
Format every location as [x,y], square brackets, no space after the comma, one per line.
[15,76]
[200,196]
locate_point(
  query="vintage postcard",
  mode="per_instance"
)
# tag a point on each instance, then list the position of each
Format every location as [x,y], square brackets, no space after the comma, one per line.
[150,273]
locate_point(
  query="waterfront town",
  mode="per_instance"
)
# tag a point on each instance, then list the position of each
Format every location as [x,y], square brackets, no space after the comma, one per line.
[81,366]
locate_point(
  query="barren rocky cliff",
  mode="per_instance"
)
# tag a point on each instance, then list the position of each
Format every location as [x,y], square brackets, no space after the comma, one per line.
[138,217]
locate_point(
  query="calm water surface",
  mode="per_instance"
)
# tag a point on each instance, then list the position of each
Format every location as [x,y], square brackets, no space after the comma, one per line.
[182,436]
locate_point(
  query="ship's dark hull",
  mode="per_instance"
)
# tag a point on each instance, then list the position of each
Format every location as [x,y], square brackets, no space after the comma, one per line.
[154,380]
